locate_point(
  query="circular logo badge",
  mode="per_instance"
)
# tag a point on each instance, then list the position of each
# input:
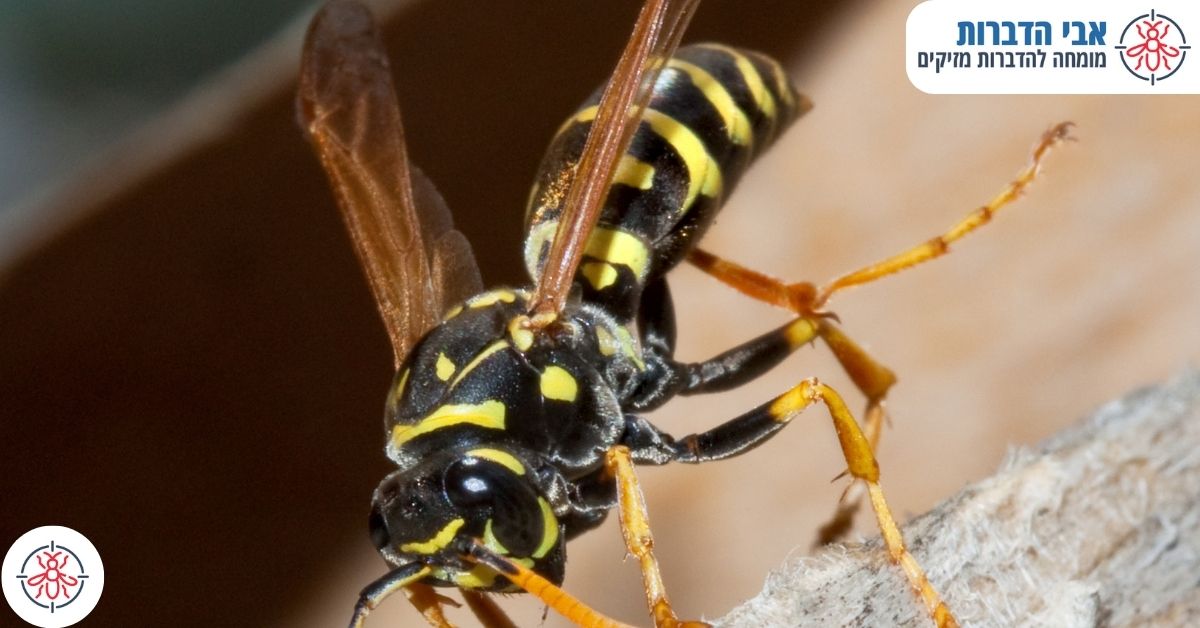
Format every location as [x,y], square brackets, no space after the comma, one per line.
[52,576]
[1153,47]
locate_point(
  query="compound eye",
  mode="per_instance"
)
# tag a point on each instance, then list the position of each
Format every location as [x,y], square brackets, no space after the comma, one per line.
[470,485]
[379,532]
[507,499]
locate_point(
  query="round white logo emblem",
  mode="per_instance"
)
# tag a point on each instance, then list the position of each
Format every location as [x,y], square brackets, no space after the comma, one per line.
[52,576]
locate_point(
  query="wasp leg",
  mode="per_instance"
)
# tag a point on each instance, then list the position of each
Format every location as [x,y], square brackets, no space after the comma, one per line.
[429,603]
[399,578]
[751,359]
[940,245]
[485,608]
[753,428]
[871,377]
[663,377]
[667,377]
[806,300]
[562,602]
[635,528]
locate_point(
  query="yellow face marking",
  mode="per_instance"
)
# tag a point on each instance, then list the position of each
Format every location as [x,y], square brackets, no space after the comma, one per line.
[491,298]
[608,344]
[704,175]
[737,125]
[619,247]
[439,540]
[799,332]
[634,173]
[600,274]
[490,540]
[522,336]
[454,311]
[479,577]
[445,368]
[549,534]
[499,457]
[549,529]
[557,383]
[477,360]
[489,414]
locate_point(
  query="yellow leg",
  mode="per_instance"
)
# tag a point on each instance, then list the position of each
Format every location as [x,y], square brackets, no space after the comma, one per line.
[429,603]
[551,595]
[940,245]
[635,528]
[870,376]
[860,461]
[874,380]
[806,300]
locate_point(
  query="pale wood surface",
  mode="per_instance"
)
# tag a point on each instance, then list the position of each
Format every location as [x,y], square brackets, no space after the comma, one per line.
[1096,526]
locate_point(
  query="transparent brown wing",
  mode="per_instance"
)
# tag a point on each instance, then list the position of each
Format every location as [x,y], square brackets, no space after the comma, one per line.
[405,241]
[655,37]
[455,275]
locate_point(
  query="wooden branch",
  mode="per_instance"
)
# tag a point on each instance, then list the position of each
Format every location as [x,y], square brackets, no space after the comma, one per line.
[1097,526]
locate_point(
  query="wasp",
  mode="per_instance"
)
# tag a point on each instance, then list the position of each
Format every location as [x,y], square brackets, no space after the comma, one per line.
[514,415]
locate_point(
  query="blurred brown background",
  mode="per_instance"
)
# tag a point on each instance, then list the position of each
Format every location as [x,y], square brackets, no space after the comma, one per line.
[191,370]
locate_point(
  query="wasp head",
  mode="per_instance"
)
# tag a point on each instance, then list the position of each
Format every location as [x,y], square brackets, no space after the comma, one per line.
[432,512]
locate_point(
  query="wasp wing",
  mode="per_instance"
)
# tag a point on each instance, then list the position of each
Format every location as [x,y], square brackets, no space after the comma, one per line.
[455,275]
[405,241]
[655,37]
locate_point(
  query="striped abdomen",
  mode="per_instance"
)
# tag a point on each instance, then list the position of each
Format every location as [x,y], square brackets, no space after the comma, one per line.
[713,109]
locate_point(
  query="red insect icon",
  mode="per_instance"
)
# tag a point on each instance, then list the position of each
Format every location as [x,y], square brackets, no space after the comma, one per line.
[52,582]
[1152,52]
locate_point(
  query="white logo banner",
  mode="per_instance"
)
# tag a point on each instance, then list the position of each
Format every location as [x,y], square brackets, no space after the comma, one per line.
[1026,47]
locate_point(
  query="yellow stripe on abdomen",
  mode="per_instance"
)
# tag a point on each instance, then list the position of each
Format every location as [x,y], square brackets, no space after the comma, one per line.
[704,174]
[754,81]
[737,125]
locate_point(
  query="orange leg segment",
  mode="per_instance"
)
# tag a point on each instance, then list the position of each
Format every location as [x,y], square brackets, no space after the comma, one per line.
[860,461]
[635,528]
[562,602]
[939,245]
[806,300]
[870,377]
[429,603]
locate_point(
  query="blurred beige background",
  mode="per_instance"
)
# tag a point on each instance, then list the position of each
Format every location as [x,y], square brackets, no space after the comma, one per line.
[1085,289]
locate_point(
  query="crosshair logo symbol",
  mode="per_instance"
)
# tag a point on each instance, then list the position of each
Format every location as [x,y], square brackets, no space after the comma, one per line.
[1153,47]
[52,577]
